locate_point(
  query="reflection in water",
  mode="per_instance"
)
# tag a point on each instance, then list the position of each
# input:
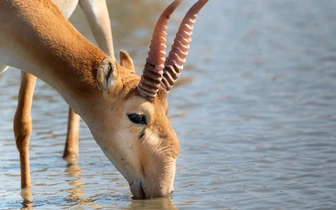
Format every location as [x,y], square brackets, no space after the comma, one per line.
[76,195]
[27,206]
[155,203]
[74,171]
[75,198]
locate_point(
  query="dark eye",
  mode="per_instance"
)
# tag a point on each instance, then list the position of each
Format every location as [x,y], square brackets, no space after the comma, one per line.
[139,119]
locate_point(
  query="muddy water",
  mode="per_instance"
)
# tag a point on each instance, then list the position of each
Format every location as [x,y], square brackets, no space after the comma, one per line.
[255,111]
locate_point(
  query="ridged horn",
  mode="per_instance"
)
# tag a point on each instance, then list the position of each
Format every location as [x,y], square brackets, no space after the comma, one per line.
[177,55]
[152,74]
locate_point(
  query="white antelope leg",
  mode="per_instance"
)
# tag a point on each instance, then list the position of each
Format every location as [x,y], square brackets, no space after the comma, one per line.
[97,15]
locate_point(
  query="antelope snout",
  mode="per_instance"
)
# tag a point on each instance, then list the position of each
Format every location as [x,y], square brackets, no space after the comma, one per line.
[137,190]
[150,189]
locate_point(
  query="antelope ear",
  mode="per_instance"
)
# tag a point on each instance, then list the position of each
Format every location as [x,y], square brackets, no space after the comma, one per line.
[107,75]
[126,60]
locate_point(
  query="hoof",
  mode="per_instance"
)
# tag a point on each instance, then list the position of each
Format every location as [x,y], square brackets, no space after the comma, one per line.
[70,155]
[71,160]
[26,196]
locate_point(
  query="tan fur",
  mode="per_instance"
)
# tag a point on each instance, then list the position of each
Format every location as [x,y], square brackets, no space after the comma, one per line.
[35,37]
[126,61]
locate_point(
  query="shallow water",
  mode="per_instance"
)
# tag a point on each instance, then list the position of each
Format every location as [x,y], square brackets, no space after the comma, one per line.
[254,111]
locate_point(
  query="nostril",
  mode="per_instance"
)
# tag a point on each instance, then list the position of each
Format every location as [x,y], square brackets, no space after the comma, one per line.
[171,189]
[142,190]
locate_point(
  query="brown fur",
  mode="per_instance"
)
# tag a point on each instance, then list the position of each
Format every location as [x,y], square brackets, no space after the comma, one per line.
[39,40]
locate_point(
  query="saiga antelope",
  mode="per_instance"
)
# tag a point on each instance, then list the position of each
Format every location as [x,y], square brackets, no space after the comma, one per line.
[126,114]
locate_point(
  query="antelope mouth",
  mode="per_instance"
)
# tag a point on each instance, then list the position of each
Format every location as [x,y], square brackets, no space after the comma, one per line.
[138,191]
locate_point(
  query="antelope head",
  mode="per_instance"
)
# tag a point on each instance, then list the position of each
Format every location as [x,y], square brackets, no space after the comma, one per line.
[140,141]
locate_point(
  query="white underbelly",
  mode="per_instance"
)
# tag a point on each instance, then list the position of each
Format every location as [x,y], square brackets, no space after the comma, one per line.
[3,61]
[7,59]
[3,68]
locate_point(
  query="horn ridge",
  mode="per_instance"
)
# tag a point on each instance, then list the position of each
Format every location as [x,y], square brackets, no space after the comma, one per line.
[179,50]
[170,76]
[148,86]
[152,74]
